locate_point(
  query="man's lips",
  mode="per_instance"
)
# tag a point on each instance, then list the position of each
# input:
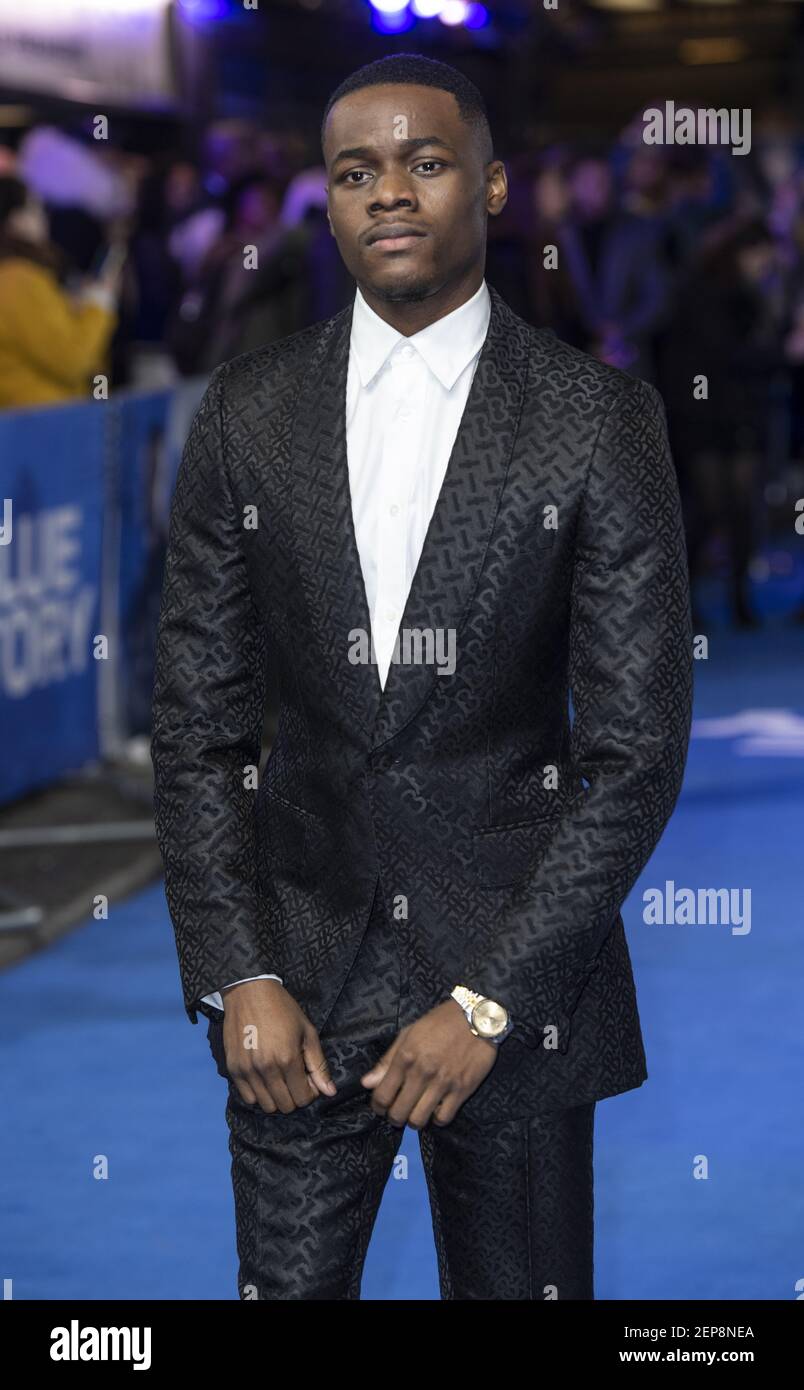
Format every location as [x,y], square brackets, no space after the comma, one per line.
[394,238]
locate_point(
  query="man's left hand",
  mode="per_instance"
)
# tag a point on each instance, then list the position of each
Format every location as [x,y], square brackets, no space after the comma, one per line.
[430,1069]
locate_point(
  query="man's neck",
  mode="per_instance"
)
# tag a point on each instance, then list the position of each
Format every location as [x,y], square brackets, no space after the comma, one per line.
[411,317]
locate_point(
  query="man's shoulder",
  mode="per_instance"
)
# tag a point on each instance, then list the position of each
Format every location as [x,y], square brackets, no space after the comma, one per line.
[274,366]
[577,375]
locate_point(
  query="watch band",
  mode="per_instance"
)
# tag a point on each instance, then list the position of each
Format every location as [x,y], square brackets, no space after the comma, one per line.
[469,1000]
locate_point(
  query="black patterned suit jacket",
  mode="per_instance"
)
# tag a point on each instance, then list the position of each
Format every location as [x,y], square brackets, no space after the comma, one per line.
[506,809]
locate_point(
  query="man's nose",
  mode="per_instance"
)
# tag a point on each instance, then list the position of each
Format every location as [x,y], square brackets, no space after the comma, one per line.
[392,190]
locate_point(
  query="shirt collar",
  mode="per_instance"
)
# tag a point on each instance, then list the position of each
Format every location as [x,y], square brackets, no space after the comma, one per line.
[447,346]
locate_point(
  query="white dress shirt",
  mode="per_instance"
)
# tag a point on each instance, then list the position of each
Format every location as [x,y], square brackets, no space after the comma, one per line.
[404,401]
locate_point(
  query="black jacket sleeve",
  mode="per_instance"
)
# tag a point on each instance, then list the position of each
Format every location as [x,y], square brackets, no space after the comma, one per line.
[207,716]
[630,673]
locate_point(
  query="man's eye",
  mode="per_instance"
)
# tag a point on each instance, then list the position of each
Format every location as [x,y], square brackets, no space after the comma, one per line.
[355,177]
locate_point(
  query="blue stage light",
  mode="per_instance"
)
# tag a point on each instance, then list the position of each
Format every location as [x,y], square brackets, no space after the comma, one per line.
[395,21]
[477,18]
[204,10]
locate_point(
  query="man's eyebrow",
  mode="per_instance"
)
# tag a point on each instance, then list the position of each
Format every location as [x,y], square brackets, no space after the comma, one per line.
[405,146]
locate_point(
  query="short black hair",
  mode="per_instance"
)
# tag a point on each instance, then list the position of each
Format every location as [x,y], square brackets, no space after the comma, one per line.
[412,69]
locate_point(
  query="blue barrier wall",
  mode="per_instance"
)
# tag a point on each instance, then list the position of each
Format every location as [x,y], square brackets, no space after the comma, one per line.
[52,485]
[86,490]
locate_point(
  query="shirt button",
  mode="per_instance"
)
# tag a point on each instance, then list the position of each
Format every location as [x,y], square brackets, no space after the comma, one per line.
[389,615]
[406,352]
[394,510]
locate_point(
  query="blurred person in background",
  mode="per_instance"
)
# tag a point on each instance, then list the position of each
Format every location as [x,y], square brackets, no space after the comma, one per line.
[615,263]
[250,289]
[507,252]
[691,205]
[551,292]
[168,196]
[786,219]
[85,185]
[329,286]
[645,181]
[72,169]
[727,327]
[51,343]
[232,151]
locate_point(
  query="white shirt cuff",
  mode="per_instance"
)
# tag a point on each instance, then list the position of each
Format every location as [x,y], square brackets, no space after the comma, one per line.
[217,1002]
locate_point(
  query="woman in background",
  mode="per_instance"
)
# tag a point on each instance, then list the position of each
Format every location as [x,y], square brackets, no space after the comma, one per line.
[51,343]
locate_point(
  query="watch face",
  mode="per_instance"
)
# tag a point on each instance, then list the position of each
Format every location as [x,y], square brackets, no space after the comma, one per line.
[489,1018]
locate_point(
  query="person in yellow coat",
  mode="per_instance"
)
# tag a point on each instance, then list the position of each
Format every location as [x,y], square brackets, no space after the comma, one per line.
[51,343]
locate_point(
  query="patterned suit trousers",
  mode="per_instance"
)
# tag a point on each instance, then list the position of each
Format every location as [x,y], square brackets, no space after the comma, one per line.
[511,1203]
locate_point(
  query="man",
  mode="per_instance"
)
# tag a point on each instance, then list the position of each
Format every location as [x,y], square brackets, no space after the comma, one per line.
[437,523]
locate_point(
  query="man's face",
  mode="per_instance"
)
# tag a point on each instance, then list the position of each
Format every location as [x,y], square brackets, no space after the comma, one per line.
[400,158]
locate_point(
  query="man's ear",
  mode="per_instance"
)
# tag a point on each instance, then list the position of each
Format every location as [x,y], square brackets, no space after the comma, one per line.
[496,187]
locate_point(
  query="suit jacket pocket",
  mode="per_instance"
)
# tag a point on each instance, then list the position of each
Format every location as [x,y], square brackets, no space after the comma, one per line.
[292,833]
[504,854]
[294,841]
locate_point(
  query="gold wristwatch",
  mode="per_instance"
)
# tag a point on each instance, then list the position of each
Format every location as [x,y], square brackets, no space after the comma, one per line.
[487,1019]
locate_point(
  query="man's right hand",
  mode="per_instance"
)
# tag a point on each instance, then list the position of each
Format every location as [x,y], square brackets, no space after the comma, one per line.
[273,1053]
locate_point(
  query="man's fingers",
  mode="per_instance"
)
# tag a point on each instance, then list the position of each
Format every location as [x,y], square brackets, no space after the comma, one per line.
[317,1065]
[274,1089]
[427,1104]
[254,1092]
[264,1096]
[245,1092]
[446,1110]
[251,1089]
[406,1098]
[298,1082]
[380,1068]
[386,1092]
[276,1085]
[372,1078]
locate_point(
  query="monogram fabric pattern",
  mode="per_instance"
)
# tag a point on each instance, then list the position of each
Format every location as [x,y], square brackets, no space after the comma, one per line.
[504,834]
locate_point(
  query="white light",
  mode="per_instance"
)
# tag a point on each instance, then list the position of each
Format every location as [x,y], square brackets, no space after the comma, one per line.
[70,7]
[388,6]
[427,9]
[453,12]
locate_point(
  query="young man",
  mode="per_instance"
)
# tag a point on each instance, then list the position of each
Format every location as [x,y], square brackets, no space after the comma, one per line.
[437,523]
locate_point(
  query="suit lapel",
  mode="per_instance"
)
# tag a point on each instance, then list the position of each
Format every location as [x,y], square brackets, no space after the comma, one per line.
[459,530]
[329,561]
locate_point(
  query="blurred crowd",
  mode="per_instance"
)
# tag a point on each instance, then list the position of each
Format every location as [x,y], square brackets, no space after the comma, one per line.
[683,265]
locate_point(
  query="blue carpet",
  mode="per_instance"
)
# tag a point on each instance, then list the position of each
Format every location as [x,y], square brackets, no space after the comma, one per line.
[103,1073]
